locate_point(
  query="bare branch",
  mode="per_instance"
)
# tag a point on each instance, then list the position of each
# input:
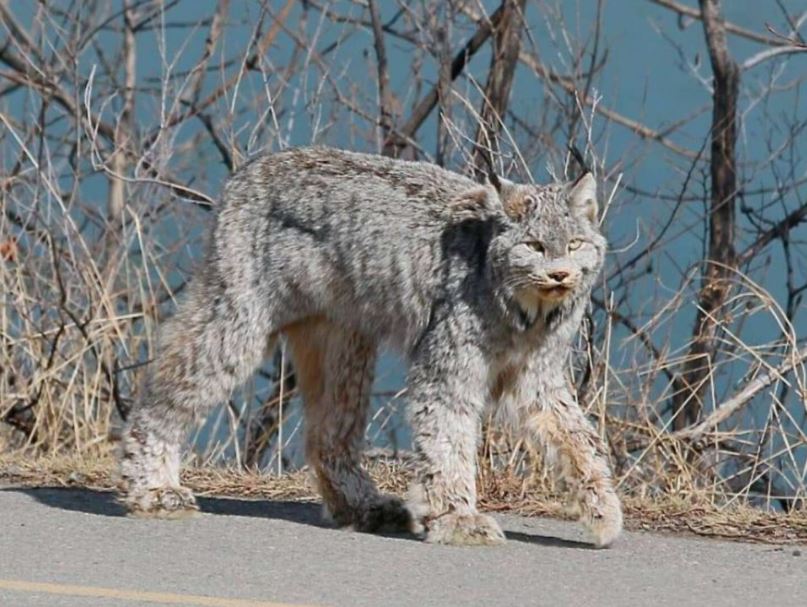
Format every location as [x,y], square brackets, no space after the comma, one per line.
[506,46]
[687,11]
[730,406]
[398,141]
[384,110]
[721,259]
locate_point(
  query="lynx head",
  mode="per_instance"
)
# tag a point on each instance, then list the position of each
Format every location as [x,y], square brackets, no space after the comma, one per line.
[548,257]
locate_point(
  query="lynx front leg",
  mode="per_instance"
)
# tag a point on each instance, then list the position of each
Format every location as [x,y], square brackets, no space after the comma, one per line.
[335,371]
[445,405]
[577,456]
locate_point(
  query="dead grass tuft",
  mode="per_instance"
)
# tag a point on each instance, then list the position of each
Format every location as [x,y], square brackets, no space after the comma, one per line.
[505,493]
[104,203]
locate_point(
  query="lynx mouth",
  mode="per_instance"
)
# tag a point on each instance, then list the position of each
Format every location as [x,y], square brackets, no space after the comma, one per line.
[554,293]
[541,300]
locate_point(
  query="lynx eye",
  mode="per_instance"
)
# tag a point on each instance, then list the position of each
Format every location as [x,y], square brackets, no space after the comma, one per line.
[575,243]
[537,247]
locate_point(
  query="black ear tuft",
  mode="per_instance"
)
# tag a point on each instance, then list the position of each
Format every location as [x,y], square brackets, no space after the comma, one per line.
[578,156]
[490,172]
[493,179]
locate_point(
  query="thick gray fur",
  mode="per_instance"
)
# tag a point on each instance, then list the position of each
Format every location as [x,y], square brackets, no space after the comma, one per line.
[482,289]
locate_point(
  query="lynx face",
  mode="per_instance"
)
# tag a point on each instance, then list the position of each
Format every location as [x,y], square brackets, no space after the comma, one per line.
[554,251]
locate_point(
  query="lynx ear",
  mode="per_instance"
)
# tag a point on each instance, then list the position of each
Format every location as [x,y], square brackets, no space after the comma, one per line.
[518,203]
[478,202]
[582,197]
[512,200]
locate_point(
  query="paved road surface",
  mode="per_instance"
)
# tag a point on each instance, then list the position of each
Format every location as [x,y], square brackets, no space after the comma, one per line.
[65,547]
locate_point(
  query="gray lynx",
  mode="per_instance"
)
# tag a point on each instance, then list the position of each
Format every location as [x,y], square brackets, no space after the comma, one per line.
[482,287]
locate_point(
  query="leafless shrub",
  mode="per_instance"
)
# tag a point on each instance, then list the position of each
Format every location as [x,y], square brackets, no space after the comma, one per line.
[120,120]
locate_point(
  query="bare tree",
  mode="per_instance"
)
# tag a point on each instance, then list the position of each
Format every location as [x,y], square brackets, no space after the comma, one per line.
[121,120]
[721,260]
[503,61]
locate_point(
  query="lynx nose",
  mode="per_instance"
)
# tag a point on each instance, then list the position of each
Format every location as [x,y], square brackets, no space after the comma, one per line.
[559,275]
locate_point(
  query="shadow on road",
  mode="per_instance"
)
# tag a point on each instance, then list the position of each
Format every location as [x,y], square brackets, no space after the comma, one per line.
[103,503]
[546,540]
[77,500]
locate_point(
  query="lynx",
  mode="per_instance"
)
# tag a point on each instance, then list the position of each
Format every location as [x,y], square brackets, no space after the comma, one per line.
[482,287]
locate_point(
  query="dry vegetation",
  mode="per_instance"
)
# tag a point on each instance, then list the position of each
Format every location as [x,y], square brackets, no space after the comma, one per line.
[502,492]
[120,120]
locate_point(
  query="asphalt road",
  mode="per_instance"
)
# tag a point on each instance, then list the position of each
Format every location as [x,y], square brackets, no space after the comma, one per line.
[65,547]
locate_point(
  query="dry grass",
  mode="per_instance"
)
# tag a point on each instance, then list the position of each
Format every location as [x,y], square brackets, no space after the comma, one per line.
[505,493]
[108,174]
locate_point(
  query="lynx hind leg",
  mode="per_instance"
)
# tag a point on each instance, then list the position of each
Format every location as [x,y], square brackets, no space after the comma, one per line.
[335,369]
[207,349]
[577,457]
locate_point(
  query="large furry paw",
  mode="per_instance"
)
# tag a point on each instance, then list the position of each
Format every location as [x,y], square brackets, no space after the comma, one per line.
[386,513]
[164,502]
[465,530]
[601,514]
[379,514]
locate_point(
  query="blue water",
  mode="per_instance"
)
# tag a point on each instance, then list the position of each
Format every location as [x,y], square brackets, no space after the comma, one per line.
[655,73]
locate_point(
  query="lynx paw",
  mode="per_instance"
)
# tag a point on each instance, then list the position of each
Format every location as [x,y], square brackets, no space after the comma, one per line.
[380,514]
[465,530]
[601,514]
[165,502]
[386,513]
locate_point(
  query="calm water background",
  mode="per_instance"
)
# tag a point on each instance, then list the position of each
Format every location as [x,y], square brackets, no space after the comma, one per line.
[646,77]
